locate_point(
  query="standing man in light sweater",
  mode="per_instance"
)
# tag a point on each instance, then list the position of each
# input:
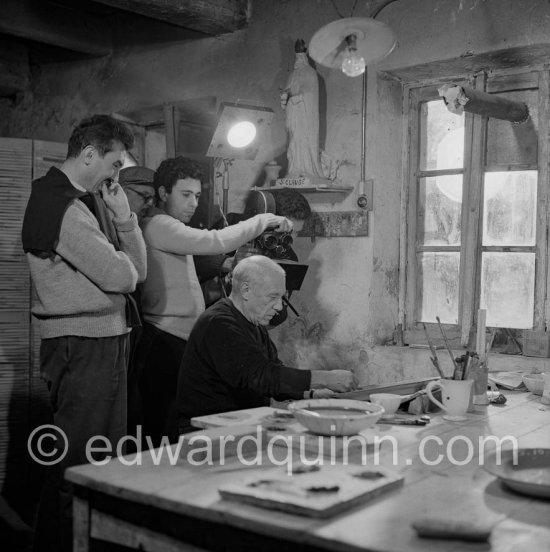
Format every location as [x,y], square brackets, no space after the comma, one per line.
[86,254]
[172,298]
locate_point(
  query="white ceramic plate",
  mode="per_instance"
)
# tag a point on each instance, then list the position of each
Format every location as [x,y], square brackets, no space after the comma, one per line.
[530,475]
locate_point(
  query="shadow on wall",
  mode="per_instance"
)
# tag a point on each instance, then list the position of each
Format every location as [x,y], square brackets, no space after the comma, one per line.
[305,342]
[24,477]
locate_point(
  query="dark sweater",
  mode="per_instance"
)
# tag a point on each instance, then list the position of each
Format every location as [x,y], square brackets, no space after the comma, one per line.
[231,364]
[50,197]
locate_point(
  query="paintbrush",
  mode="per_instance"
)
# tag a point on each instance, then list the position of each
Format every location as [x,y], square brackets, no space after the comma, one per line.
[289,305]
[447,343]
[403,421]
[434,359]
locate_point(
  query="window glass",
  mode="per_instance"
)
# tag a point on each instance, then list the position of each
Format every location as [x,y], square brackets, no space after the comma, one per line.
[507,288]
[510,208]
[439,210]
[441,137]
[438,286]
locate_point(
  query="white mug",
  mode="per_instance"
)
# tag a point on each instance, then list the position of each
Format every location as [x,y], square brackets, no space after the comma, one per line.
[545,399]
[455,395]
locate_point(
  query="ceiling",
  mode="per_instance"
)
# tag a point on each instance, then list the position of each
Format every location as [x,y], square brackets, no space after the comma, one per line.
[59,29]
[44,31]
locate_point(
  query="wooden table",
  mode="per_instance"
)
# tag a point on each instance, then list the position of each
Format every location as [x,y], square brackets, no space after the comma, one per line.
[177,507]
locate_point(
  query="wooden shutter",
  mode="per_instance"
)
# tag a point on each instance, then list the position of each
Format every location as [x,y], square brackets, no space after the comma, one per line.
[23,400]
[15,178]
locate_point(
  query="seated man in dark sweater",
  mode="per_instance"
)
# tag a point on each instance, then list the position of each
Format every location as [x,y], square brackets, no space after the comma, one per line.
[230,363]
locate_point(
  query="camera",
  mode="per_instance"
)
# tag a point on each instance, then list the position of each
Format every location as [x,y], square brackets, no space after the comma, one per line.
[274,244]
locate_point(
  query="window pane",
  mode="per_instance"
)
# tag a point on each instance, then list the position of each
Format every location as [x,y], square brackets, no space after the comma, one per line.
[439,210]
[507,289]
[508,143]
[438,287]
[441,137]
[510,208]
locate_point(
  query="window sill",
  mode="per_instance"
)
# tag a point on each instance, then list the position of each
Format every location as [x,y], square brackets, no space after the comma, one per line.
[418,360]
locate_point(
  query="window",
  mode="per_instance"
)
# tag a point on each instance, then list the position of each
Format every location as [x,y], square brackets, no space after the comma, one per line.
[476,230]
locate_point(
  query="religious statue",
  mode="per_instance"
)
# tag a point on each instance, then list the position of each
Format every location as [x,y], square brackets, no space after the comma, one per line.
[300,99]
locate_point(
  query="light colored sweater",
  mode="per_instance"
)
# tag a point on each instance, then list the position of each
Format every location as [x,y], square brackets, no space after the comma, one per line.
[80,290]
[171,297]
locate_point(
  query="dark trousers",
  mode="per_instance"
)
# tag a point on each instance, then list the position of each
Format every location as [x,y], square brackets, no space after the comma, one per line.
[161,355]
[86,379]
[135,406]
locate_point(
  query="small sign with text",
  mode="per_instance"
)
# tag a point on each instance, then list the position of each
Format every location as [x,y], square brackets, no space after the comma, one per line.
[301,182]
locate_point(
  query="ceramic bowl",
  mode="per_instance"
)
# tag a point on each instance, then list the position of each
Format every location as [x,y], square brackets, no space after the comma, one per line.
[534,383]
[389,401]
[336,416]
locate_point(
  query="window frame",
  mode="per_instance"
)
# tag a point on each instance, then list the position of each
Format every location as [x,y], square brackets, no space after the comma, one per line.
[475,133]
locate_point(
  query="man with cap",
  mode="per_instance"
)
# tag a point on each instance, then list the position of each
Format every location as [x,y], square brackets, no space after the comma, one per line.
[137,183]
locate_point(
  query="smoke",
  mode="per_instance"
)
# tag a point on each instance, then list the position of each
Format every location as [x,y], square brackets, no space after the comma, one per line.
[327,356]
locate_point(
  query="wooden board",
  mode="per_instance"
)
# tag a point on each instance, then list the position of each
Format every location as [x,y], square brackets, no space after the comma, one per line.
[249,416]
[405,387]
[282,429]
[324,493]
[219,443]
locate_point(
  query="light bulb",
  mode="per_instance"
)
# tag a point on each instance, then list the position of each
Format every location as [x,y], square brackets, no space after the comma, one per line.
[241,134]
[353,64]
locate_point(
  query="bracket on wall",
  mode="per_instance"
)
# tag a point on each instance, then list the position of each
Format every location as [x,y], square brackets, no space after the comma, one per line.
[336,224]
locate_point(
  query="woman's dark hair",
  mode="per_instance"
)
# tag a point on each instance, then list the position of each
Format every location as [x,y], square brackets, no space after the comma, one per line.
[291,203]
[100,131]
[177,168]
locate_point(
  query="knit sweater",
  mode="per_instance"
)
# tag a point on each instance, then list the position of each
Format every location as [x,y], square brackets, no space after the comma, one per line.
[172,298]
[79,291]
[231,364]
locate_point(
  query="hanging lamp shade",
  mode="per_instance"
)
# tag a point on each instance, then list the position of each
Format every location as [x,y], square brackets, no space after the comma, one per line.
[373,41]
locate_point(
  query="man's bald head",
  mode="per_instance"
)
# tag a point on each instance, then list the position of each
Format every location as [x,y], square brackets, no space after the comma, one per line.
[255,270]
[258,286]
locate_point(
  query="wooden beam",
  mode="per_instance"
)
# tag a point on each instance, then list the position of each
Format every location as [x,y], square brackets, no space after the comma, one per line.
[542,281]
[81,524]
[57,26]
[476,127]
[406,179]
[194,111]
[531,55]
[171,118]
[211,17]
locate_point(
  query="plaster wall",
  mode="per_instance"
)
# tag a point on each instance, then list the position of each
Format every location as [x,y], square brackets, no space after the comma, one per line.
[349,300]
